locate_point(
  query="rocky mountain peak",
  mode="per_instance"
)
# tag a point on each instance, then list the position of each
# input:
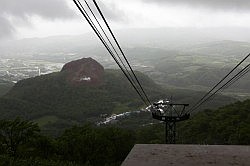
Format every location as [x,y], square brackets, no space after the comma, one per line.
[84,71]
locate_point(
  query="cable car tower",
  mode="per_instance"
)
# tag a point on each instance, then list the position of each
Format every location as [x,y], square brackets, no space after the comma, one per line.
[170,113]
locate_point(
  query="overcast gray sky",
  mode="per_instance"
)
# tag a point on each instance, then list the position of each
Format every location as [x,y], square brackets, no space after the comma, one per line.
[213,4]
[40,18]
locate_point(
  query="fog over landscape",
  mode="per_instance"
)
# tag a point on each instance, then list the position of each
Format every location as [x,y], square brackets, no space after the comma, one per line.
[179,49]
[40,19]
[170,41]
[35,39]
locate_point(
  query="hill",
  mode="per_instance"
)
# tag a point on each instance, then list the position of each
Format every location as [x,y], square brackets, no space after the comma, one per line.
[227,125]
[166,38]
[175,60]
[5,86]
[83,92]
[201,65]
[74,95]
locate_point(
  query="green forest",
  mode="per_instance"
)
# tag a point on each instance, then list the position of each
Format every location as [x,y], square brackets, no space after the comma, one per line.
[82,83]
[23,143]
[56,105]
[46,121]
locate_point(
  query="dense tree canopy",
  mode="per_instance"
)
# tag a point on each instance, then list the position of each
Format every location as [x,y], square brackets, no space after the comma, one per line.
[23,144]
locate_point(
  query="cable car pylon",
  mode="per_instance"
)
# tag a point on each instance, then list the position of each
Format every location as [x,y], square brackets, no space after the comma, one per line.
[170,113]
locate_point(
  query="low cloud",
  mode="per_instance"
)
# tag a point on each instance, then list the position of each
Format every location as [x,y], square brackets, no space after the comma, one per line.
[110,11]
[23,9]
[6,28]
[241,5]
[44,8]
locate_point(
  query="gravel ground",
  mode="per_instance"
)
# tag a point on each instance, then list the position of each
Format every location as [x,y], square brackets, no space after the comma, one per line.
[188,155]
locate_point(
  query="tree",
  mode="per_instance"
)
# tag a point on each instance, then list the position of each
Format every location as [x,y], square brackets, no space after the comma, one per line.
[96,145]
[14,133]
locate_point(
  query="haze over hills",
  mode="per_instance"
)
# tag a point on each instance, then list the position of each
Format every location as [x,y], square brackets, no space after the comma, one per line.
[181,58]
[65,102]
[185,62]
[165,38]
[83,91]
[74,95]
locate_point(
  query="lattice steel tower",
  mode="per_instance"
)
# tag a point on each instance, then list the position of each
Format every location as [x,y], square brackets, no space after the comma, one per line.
[170,113]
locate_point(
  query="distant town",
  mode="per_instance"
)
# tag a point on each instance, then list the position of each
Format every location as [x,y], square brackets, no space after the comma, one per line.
[17,69]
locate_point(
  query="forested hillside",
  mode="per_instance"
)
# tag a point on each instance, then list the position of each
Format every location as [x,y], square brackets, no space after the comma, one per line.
[80,94]
[86,144]
[61,99]
[228,125]
[5,86]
